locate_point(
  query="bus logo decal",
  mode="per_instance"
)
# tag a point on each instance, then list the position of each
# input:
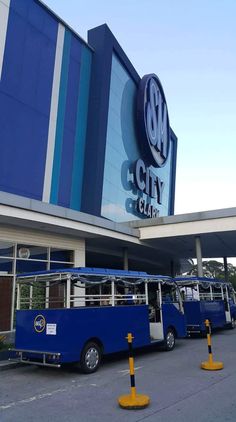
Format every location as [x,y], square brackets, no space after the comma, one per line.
[39,323]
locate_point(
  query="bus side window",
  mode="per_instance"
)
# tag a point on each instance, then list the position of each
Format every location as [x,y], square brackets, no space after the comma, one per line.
[158,299]
[129,297]
[120,293]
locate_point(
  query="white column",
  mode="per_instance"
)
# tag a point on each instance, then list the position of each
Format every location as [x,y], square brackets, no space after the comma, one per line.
[160,301]
[53,113]
[146,292]
[68,292]
[18,297]
[31,297]
[47,288]
[4,15]
[227,295]
[211,293]
[199,256]
[222,292]
[14,290]
[198,292]
[79,261]
[112,293]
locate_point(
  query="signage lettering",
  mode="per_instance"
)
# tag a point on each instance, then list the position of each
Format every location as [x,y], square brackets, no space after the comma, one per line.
[146,209]
[147,182]
[154,139]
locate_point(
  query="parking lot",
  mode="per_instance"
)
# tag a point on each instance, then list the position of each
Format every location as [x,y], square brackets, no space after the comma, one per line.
[179,390]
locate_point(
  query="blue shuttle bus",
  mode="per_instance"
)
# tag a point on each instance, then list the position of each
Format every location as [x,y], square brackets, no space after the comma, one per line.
[207,298]
[77,315]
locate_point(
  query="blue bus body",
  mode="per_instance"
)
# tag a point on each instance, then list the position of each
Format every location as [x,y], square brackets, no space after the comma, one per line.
[232,308]
[173,318]
[55,336]
[214,300]
[75,327]
[196,312]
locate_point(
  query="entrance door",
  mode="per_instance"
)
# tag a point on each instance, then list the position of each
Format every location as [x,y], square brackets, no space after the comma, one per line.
[226,302]
[155,311]
[5,302]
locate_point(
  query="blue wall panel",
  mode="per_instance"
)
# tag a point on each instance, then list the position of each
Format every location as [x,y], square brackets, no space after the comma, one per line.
[119,193]
[60,120]
[25,96]
[26,88]
[52,84]
[70,125]
[81,130]
[112,144]
[14,53]
[21,7]
[121,146]
[22,130]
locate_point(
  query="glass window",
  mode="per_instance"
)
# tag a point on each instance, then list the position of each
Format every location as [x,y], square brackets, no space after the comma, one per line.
[61,255]
[28,259]
[59,265]
[29,266]
[6,265]
[6,249]
[31,252]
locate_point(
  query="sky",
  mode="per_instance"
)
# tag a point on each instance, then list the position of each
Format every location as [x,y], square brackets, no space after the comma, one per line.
[191,46]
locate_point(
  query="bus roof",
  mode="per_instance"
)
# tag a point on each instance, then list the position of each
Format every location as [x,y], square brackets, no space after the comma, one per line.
[195,279]
[92,274]
[83,270]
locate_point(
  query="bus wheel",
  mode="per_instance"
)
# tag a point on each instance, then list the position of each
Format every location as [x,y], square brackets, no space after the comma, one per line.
[169,340]
[90,358]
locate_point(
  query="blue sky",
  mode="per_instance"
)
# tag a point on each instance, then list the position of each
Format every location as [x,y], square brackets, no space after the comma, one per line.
[191,46]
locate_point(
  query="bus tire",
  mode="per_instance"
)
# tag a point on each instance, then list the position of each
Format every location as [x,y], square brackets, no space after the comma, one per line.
[169,342]
[90,358]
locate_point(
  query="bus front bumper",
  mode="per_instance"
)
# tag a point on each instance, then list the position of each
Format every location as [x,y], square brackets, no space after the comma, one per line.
[36,357]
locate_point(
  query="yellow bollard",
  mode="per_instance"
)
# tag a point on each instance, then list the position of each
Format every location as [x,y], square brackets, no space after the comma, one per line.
[210,365]
[133,400]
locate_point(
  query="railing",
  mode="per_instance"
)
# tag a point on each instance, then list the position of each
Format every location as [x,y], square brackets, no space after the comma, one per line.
[106,300]
[85,300]
[210,296]
[190,297]
[203,296]
[31,302]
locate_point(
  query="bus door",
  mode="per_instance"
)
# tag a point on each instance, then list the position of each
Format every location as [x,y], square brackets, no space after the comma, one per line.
[155,310]
[226,303]
[232,304]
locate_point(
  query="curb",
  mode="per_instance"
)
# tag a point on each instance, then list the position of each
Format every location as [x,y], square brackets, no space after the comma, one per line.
[6,364]
[4,355]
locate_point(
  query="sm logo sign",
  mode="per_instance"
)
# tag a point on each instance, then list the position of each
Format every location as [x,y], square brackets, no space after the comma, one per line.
[153,121]
[39,323]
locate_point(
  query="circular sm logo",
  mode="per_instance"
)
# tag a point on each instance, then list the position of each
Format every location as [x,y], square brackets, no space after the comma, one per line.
[153,121]
[39,323]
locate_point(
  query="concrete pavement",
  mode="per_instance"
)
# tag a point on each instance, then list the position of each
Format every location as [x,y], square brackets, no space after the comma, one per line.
[178,388]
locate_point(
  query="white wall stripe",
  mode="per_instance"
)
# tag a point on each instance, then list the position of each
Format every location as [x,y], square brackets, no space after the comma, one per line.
[53,113]
[4,13]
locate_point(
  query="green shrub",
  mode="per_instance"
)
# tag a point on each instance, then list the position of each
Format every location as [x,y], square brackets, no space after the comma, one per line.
[2,340]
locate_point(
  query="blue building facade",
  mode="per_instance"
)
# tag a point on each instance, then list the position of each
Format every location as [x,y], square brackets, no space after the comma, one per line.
[69,126]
